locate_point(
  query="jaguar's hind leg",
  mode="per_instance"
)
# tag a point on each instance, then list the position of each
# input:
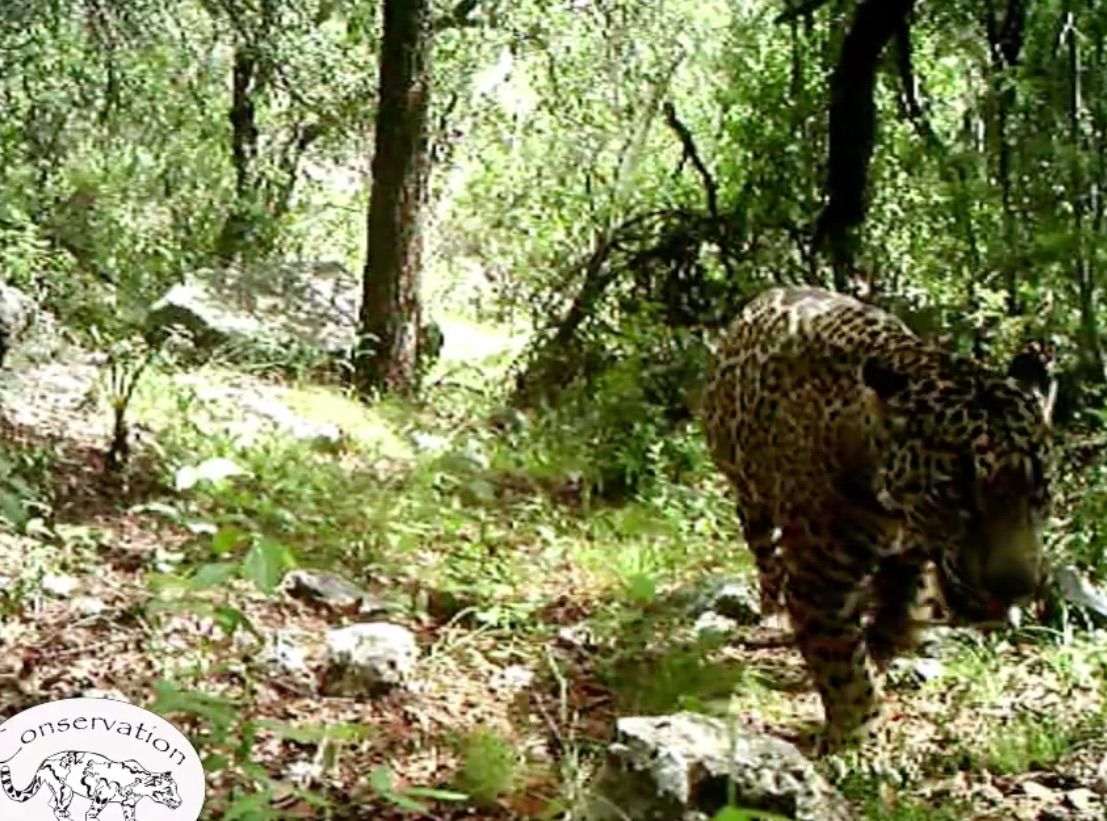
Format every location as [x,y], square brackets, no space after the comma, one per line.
[759,533]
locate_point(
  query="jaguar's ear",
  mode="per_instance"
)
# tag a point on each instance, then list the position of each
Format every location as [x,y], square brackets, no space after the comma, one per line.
[1030,370]
[884,380]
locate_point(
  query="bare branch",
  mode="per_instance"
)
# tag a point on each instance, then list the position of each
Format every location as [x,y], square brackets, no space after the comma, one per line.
[690,153]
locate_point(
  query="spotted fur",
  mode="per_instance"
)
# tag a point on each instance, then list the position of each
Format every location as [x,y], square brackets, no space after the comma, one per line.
[97,778]
[861,456]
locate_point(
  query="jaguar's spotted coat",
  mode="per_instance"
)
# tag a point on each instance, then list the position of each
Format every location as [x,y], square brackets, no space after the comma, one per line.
[860,454]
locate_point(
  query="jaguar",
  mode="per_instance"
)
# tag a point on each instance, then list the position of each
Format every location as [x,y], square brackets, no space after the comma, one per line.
[873,468]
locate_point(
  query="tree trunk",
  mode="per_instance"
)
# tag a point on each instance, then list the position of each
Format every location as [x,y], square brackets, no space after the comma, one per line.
[389,319]
[852,128]
[1005,39]
[244,151]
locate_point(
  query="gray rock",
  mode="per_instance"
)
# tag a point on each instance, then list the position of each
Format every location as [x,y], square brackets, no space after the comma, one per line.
[89,605]
[943,641]
[16,315]
[313,304]
[369,659]
[292,306]
[60,585]
[1077,589]
[114,695]
[709,623]
[738,600]
[677,767]
[199,311]
[27,328]
[331,590]
[734,598]
[912,671]
[284,654]
[326,437]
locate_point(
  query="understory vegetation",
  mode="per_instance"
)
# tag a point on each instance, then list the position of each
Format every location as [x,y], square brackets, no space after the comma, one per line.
[607,183]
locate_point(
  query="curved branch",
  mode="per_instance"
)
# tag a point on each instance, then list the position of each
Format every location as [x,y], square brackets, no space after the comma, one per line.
[711,188]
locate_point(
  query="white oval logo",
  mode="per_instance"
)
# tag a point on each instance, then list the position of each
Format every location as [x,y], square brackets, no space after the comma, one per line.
[97,758]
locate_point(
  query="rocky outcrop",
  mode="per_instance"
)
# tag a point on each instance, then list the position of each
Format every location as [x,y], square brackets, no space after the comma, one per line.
[688,766]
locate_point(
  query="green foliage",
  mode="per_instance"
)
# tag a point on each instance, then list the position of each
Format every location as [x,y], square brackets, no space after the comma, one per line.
[489,766]
[739,814]
[1028,742]
[228,737]
[1083,504]
[382,783]
[26,492]
[865,791]
[627,427]
[557,186]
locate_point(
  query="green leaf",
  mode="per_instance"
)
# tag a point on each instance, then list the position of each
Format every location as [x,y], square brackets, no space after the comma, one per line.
[230,619]
[169,699]
[436,794]
[738,814]
[226,539]
[641,588]
[266,562]
[211,575]
[315,733]
[253,806]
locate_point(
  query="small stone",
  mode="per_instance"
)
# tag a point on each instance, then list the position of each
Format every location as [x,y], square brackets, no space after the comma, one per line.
[89,605]
[368,659]
[114,695]
[1077,589]
[304,773]
[576,635]
[739,601]
[710,623]
[513,679]
[1037,791]
[914,671]
[990,793]
[1082,799]
[59,585]
[1100,783]
[214,470]
[284,654]
[429,442]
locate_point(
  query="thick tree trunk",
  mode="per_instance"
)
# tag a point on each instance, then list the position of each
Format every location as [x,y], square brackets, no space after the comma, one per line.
[389,319]
[853,127]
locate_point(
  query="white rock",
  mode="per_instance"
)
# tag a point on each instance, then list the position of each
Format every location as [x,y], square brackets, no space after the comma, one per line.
[364,659]
[59,585]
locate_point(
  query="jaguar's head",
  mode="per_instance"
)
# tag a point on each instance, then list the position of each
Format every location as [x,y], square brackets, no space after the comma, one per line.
[965,464]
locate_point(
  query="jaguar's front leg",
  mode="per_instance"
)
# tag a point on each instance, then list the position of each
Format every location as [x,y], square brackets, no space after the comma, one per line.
[825,606]
[899,610]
